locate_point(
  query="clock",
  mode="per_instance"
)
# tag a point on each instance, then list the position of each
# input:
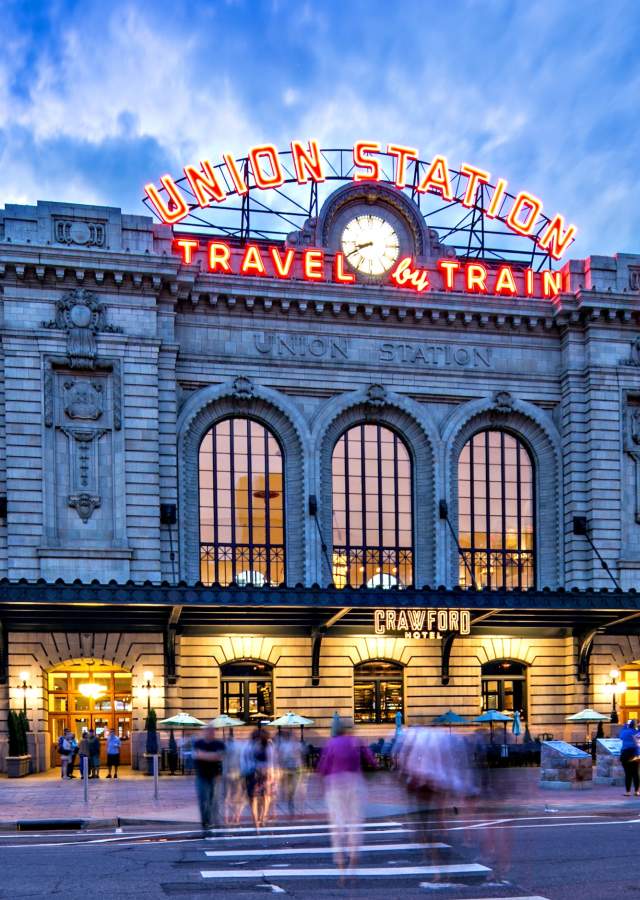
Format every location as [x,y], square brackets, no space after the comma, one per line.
[370,242]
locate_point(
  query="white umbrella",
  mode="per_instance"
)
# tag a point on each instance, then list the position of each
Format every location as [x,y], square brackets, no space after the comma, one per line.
[181,720]
[291,720]
[587,717]
[225,721]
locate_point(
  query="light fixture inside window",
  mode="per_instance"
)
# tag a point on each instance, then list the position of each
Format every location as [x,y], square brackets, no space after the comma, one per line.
[91,689]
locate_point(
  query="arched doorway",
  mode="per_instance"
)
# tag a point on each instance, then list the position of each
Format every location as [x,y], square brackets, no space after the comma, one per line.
[504,686]
[629,698]
[378,692]
[247,690]
[88,694]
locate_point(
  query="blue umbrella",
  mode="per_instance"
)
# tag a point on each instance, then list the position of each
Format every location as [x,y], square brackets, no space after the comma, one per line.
[335,724]
[398,722]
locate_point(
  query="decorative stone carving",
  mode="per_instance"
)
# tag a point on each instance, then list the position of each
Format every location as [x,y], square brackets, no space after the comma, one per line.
[83,399]
[634,355]
[243,388]
[631,444]
[84,504]
[377,395]
[503,402]
[83,233]
[82,316]
[83,496]
[634,278]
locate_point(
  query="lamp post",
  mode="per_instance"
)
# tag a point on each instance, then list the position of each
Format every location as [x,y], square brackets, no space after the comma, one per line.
[24,686]
[616,687]
[148,687]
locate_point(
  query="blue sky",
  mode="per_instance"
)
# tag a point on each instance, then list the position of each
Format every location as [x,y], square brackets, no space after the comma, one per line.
[97,97]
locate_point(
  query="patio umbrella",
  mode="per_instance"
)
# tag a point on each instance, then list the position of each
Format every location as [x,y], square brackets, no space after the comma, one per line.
[225,721]
[491,716]
[516,728]
[181,720]
[398,719]
[450,718]
[587,717]
[291,720]
[335,724]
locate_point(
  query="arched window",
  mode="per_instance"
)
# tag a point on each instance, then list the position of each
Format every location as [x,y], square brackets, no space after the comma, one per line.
[496,512]
[372,509]
[504,686]
[247,690]
[241,505]
[377,692]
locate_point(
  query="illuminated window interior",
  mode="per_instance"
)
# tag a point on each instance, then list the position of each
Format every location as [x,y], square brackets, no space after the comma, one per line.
[496,512]
[372,509]
[378,692]
[241,505]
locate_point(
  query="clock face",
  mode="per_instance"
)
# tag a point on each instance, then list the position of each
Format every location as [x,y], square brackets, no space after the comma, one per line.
[370,243]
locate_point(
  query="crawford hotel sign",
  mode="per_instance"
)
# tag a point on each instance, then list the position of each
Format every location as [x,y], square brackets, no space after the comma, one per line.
[370,236]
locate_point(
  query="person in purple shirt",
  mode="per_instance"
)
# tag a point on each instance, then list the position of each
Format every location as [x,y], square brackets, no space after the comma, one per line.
[341,765]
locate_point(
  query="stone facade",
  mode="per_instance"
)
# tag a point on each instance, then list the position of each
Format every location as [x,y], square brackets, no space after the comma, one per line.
[116,359]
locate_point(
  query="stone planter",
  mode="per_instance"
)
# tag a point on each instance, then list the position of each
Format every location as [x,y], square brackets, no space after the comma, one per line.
[18,766]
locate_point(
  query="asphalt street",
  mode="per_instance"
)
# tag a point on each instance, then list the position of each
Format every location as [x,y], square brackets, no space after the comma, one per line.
[547,857]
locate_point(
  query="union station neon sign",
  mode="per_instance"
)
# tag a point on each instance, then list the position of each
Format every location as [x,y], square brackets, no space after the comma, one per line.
[421,623]
[213,184]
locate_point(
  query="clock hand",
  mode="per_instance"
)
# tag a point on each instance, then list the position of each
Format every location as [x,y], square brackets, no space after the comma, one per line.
[359,247]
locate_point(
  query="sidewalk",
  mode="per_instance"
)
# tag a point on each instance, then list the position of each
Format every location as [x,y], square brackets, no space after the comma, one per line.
[130,799]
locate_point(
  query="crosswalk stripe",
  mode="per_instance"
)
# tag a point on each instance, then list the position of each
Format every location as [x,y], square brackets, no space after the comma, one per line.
[469,870]
[260,836]
[430,884]
[242,828]
[365,848]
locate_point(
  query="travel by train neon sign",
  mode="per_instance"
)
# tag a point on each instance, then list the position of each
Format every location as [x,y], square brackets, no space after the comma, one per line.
[205,184]
[315,265]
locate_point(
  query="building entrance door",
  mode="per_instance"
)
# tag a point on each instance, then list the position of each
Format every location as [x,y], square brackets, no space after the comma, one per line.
[84,695]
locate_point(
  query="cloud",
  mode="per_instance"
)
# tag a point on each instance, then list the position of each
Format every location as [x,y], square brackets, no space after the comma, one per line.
[96,100]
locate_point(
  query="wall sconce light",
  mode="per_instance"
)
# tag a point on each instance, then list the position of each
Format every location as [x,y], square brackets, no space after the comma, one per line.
[24,687]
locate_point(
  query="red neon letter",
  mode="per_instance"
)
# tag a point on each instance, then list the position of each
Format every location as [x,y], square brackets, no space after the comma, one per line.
[307,162]
[402,154]
[528,282]
[176,208]
[264,180]
[505,282]
[313,265]
[219,257]
[204,183]
[252,262]
[448,268]
[496,201]
[238,181]
[554,241]
[339,273]
[186,247]
[523,200]
[476,278]
[551,283]
[361,151]
[282,267]
[476,177]
[437,178]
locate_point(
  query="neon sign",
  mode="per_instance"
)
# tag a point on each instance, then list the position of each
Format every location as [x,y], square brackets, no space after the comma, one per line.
[316,265]
[213,184]
[421,623]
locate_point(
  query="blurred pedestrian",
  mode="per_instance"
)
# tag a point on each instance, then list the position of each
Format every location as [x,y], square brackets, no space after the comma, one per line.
[259,770]
[208,752]
[73,755]
[289,762]
[113,753]
[94,754]
[341,764]
[629,757]
[64,751]
[234,781]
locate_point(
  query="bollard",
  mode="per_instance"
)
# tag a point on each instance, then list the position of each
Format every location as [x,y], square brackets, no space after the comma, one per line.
[155,776]
[85,777]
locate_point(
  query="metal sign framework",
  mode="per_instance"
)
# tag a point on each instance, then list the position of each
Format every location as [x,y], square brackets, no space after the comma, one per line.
[272,215]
